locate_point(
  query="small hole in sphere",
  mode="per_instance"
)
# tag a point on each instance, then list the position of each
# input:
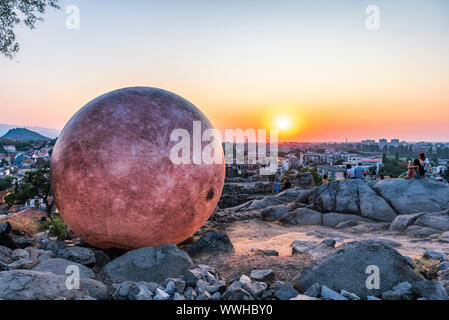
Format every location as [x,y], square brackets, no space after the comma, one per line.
[210,194]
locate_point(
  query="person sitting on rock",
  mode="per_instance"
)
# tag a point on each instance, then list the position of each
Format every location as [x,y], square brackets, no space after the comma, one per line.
[276,186]
[325,179]
[350,172]
[424,162]
[360,172]
[415,170]
[287,184]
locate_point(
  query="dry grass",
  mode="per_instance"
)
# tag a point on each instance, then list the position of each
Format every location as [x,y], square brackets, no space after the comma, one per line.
[26,226]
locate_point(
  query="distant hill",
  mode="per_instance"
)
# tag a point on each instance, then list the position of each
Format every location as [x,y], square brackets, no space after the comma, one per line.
[46,132]
[22,134]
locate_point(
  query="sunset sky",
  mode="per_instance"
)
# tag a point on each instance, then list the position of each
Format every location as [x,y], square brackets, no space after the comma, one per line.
[312,66]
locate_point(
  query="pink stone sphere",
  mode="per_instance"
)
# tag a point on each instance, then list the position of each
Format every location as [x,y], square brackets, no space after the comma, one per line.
[112,178]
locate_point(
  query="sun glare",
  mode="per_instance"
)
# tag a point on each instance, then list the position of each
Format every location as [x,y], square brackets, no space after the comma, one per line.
[283,123]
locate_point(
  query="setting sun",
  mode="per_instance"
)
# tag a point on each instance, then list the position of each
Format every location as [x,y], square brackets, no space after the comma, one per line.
[283,123]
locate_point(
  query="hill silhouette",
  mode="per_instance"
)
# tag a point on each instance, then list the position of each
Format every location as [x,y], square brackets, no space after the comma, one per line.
[22,134]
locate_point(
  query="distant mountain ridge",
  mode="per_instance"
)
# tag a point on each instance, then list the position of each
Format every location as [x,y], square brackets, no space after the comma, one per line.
[46,132]
[22,134]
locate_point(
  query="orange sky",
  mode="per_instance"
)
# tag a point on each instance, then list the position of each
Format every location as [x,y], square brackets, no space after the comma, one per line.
[245,65]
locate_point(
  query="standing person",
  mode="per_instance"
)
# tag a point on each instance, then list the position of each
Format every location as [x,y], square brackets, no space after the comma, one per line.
[425,163]
[360,172]
[350,172]
[276,186]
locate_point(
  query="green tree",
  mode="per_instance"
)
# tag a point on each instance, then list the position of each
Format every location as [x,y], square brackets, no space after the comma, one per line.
[14,13]
[6,183]
[35,184]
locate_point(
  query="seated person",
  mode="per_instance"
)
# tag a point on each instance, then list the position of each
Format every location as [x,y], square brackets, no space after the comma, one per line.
[415,170]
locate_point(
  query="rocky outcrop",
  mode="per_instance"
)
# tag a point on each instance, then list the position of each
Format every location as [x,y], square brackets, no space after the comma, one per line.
[149,264]
[59,266]
[352,197]
[346,268]
[408,196]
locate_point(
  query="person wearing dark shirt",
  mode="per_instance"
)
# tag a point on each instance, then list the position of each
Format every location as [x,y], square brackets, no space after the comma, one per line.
[287,184]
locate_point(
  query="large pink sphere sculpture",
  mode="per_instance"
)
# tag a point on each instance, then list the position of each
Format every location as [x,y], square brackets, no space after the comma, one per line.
[112,177]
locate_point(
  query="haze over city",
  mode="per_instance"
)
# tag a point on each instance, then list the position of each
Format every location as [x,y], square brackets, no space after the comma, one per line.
[311,69]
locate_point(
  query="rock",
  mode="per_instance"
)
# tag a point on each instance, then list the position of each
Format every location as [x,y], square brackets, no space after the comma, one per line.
[436,220]
[403,221]
[262,275]
[391,295]
[315,250]
[161,295]
[329,242]
[191,276]
[59,266]
[212,242]
[201,286]
[346,224]
[170,289]
[5,255]
[431,290]
[421,232]
[330,294]
[190,294]
[271,253]
[236,292]
[268,294]
[216,296]
[443,265]
[245,279]
[303,196]
[123,290]
[34,285]
[404,288]
[204,296]
[255,288]
[301,217]
[178,297]
[286,292]
[284,197]
[429,254]
[331,270]
[50,245]
[352,197]
[5,237]
[149,264]
[217,286]
[274,213]
[349,295]
[179,284]
[78,254]
[314,290]
[333,219]
[144,294]
[25,263]
[304,297]
[372,298]
[401,194]
[20,254]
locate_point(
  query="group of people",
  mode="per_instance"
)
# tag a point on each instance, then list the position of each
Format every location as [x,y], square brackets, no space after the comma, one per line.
[286,185]
[418,168]
[358,172]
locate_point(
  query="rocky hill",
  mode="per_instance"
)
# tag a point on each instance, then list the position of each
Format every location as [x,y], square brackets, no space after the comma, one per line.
[342,231]
[22,134]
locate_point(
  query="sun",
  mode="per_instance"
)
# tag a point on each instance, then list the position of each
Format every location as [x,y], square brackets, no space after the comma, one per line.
[283,123]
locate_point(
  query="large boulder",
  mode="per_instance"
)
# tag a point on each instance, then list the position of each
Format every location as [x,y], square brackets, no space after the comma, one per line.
[78,254]
[403,221]
[436,220]
[59,266]
[333,219]
[409,196]
[212,241]
[35,285]
[353,197]
[274,213]
[302,217]
[284,197]
[346,269]
[151,264]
